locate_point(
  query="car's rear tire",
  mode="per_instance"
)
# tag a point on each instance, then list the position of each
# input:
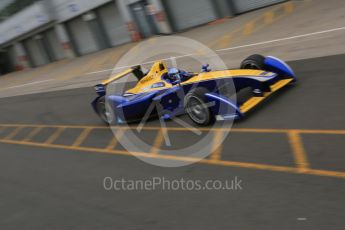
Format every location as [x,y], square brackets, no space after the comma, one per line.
[105,112]
[255,61]
[196,107]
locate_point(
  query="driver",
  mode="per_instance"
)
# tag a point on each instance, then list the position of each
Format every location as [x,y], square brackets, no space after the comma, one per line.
[176,76]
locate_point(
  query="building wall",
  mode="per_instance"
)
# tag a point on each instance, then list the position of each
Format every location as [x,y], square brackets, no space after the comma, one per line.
[54,24]
[67,9]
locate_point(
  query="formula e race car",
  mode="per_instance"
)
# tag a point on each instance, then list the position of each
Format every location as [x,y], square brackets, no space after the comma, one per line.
[175,92]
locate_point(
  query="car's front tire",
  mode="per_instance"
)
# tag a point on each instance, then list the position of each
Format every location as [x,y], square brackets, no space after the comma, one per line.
[105,112]
[255,61]
[196,107]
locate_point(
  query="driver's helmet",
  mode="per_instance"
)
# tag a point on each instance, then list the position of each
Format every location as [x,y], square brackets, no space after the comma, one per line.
[174,75]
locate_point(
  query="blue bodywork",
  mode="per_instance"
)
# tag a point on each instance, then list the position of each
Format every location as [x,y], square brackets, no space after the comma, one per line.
[278,66]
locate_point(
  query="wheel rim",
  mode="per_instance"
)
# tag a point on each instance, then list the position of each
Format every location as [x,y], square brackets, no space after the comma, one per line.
[197,110]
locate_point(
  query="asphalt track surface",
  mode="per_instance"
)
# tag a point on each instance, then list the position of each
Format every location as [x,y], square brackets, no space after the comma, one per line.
[46,187]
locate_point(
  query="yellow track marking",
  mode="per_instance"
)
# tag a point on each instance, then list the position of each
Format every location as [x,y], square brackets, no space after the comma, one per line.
[248,28]
[114,141]
[267,167]
[298,150]
[225,41]
[158,141]
[14,132]
[260,22]
[340,132]
[253,130]
[55,126]
[249,130]
[269,17]
[289,7]
[33,133]
[55,135]
[112,144]
[83,135]
[217,147]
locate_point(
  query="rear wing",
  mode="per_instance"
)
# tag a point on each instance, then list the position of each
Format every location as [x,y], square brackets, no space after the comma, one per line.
[136,70]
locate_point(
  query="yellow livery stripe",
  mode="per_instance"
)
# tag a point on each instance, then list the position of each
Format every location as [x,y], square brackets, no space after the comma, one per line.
[225,74]
[118,76]
[280,84]
[253,101]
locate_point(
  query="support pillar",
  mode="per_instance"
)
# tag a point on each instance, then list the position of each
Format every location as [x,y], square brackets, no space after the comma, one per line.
[65,41]
[21,56]
[127,17]
[160,17]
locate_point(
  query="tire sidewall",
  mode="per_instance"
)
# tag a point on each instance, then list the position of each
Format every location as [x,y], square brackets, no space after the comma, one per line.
[254,60]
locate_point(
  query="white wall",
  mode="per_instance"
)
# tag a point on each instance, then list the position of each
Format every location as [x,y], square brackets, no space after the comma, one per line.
[67,9]
[29,19]
[43,12]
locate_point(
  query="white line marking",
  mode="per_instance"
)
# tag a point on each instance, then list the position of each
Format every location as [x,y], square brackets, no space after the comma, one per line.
[301,218]
[31,83]
[100,71]
[283,39]
[233,48]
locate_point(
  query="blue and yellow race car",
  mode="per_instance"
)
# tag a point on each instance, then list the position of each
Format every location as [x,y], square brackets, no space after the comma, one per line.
[205,97]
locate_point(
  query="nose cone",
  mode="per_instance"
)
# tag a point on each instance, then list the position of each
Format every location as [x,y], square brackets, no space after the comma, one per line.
[278,66]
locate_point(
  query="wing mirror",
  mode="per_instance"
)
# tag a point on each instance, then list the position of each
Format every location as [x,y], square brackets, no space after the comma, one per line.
[205,68]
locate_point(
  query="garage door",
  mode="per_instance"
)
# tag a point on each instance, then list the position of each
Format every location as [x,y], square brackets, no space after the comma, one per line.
[114,26]
[36,51]
[54,44]
[246,5]
[82,36]
[189,13]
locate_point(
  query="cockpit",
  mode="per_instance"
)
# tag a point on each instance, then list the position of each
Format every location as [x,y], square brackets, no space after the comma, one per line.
[175,76]
[158,77]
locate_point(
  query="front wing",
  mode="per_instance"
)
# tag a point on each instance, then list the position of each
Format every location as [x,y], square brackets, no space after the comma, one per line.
[232,110]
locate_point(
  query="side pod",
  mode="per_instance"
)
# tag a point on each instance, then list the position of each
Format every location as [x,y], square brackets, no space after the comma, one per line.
[222,107]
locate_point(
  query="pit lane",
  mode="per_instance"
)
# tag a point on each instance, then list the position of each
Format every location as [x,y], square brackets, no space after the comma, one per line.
[40,178]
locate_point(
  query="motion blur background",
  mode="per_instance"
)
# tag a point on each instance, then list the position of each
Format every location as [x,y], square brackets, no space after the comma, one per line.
[55,151]
[34,33]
